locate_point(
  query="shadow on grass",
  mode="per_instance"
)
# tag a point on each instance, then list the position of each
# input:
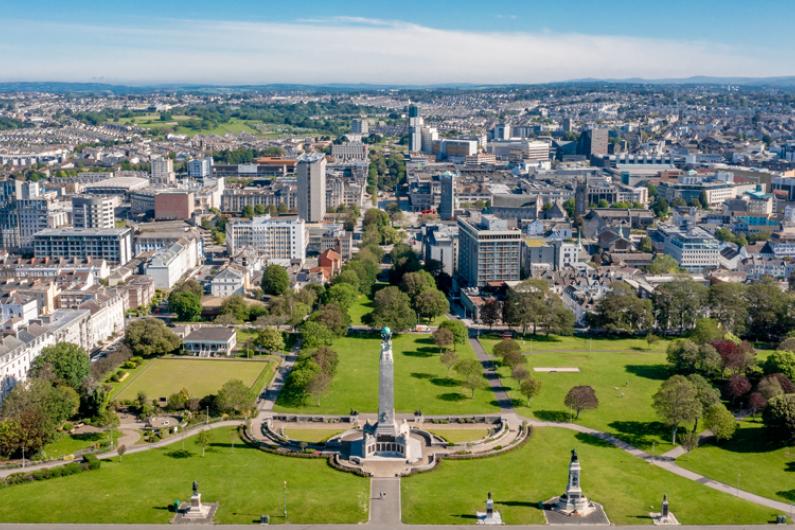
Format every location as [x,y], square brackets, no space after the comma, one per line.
[506,403]
[421,352]
[753,440]
[788,494]
[657,372]
[87,436]
[421,375]
[641,434]
[592,440]
[444,381]
[790,467]
[452,396]
[521,504]
[558,416]
[179,454]
[465,516]
[425,340]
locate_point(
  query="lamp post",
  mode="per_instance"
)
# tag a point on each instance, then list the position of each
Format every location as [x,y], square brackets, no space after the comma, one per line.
[285,501]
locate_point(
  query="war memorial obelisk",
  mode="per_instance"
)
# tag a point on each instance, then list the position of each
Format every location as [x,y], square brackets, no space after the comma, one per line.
[388,438]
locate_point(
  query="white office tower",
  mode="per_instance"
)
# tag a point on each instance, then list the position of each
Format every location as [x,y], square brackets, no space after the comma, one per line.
[162,171]
[311,171]
[415,129]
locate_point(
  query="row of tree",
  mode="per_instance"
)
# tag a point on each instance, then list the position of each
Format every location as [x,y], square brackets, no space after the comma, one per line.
[756,311]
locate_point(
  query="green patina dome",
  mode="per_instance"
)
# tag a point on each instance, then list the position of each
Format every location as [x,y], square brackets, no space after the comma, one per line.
[386,332]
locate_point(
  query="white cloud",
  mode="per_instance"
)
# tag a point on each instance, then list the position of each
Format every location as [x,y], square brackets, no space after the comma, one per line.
[348,49]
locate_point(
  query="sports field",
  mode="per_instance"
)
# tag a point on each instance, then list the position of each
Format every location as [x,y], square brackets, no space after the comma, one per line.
[164,376]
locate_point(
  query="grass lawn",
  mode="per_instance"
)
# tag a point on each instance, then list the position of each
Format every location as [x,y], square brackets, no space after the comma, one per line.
[624,373]
[164,376]
[750,461]
[68,444]
[460,435]
[421,381]
[360,307]
[628,487]
[310,435]
[245,481]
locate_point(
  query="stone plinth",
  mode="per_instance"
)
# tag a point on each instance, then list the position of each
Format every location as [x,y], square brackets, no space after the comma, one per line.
[489,518]
[195,511]
[667,520]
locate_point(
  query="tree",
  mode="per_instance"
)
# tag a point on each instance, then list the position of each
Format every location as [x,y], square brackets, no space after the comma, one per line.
[707,396]
[393,309]
[431,303]
[234,396]
[622,312]
[505,347]
[343,294]
[67,363]
[756,402]
[186,304]
[767,310]
[275,280]
[737,386]
[467,367]
[120,451]
[270,339]
[779,416]
[318,385]
[415,283]
[458,329]
[781,362]
[150,337]
[520,372]
[491,312]
[529,387]
[443,338]
[449,359]
[472,382]
[203,440]
[737,358]
[706,330]
[315,334]
[678,304]
[334,318]
[237,307]
[581,398]
[663,264]
[676,402]
[178,400]
[729,306]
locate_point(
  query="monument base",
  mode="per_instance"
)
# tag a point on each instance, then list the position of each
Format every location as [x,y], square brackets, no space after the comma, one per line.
[195,511]
[594,515]
[489,518]
[668,520]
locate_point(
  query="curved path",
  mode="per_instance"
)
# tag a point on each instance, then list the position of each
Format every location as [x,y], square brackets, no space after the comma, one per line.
[665,462]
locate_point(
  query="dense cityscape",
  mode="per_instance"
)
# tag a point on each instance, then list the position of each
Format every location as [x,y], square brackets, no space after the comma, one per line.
[551,303]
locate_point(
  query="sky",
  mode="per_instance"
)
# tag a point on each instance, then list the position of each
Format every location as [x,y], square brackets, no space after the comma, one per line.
[390,42]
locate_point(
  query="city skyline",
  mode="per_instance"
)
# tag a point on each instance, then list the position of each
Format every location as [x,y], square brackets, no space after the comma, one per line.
[353,42]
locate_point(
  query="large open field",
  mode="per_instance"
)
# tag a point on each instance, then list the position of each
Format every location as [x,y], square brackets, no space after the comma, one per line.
[624,373]
[628,487]
[234,126]
[749,461]
[421,381]
[245,481]
[164,376]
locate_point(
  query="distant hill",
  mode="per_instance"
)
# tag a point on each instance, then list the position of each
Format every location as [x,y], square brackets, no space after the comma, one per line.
[68,87]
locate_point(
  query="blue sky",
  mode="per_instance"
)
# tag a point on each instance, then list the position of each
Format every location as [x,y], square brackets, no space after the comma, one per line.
[391,42]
